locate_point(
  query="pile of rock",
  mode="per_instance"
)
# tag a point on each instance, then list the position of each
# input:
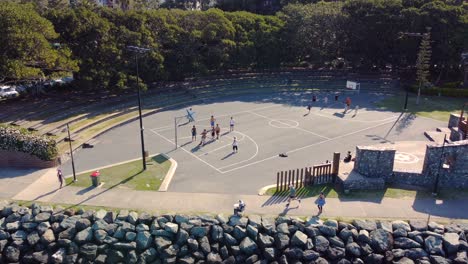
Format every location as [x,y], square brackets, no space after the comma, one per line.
[42,234]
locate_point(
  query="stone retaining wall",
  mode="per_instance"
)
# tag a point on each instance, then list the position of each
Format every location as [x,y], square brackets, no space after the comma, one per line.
[42,234]
[374,162]
[410,178]
[23,160]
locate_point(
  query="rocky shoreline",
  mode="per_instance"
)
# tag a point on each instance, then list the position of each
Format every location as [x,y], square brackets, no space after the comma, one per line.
[43,234]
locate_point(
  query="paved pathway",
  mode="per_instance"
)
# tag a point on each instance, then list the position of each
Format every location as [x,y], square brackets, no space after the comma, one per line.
[45,190]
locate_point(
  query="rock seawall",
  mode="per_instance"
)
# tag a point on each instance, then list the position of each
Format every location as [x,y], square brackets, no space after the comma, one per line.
[42,234]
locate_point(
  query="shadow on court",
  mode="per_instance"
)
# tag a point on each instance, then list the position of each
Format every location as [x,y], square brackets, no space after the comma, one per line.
[228,155]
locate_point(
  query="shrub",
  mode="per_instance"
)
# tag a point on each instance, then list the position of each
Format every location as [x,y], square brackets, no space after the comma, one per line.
[14,139]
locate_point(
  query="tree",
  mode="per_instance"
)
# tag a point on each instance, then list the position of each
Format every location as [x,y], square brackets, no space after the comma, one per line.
[423,61]
[26,45]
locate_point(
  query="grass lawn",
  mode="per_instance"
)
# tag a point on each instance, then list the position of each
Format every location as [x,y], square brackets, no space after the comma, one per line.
[130,175]
[331,192]
[429,106]
[436,107]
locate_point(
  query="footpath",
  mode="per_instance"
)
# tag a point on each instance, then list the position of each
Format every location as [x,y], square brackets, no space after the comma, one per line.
[45,189]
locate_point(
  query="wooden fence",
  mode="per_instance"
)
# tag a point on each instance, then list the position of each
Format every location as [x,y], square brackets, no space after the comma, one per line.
[308,176]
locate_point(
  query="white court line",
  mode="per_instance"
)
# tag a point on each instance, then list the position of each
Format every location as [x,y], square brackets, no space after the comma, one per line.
[308,146]
[208,118]
[256,153]
[187,151]
[298,128]
[229,144]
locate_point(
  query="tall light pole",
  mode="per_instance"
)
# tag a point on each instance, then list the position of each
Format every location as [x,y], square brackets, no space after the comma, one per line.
[139,50]
[419,35]
[71,153]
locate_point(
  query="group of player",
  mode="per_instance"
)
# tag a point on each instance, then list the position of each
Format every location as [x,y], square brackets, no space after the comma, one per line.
[215,131]
[347,103]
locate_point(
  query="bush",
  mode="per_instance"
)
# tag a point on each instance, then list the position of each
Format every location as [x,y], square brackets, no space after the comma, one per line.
[14,139]
[451,92]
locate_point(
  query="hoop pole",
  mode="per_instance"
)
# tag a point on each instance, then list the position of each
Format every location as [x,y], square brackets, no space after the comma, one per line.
[175,131]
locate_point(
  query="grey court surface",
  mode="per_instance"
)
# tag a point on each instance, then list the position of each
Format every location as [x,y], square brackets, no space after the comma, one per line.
[266,125]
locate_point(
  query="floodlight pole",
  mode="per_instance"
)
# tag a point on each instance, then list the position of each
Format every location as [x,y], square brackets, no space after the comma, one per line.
[137,50]
[71,153]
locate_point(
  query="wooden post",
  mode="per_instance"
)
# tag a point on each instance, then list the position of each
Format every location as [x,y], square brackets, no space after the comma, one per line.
[336,165]
[277,181]
[289,179]
[302,177]
[297,178]
[281,186]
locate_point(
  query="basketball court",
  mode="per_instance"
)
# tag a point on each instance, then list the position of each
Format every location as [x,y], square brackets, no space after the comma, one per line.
[265,126]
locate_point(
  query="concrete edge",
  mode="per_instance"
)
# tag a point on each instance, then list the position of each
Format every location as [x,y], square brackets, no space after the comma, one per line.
[168,178]
[111,165]
[263,190]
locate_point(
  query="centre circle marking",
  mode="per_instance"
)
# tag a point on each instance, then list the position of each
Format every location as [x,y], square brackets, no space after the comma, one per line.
[404,157]
[283,123]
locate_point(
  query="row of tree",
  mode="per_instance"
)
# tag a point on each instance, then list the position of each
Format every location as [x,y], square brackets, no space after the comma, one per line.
[91,42]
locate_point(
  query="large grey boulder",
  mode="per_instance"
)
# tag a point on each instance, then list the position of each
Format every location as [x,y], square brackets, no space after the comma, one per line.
[48,237]
[88,251]
[18,235]
[282,228]
[405,243]
[434,245]
[451,242]
[248,246]
[33,238]
[11,254]
[132,217]
[181,237]
[326,230]
[381,240]
[239,233]
[368,225]
[398,224]
[415,253]
[40,257]
[336,241]
[42,217]
[335,253]
[439,260]
[353,249]
[84,236]
[238,221]
[299,239]
[230,240]
[162,243]
[82,224]
[192,244]
[252,232]
[171,227]
[100,235]
[217,233]
[281,240]
[265,241]
[418,225]
[68,233]
[199,231]
[143,240]
[321,243]
[205,245]
[148,255]
[270,253]
[213,258]
[255,221]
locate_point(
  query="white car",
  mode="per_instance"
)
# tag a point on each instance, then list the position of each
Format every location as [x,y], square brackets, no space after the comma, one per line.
[8,92]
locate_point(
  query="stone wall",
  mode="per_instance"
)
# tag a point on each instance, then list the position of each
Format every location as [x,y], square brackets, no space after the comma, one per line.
[42,234]
[374,162]
[456,154]
[410,178]
[23,160]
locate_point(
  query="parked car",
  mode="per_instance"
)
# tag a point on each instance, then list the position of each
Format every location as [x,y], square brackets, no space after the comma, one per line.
[8,92]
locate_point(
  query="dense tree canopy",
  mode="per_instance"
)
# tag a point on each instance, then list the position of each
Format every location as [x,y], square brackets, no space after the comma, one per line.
[27,49]
[363,34]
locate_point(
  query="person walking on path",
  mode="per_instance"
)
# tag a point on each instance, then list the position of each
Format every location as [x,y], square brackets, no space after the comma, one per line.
[203,137]
[60,177]
[194,133]
[217,130]
[234,145]
[292,195]
[320,202]
[212,121]
[325,100]
[231,124]
[309,106]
